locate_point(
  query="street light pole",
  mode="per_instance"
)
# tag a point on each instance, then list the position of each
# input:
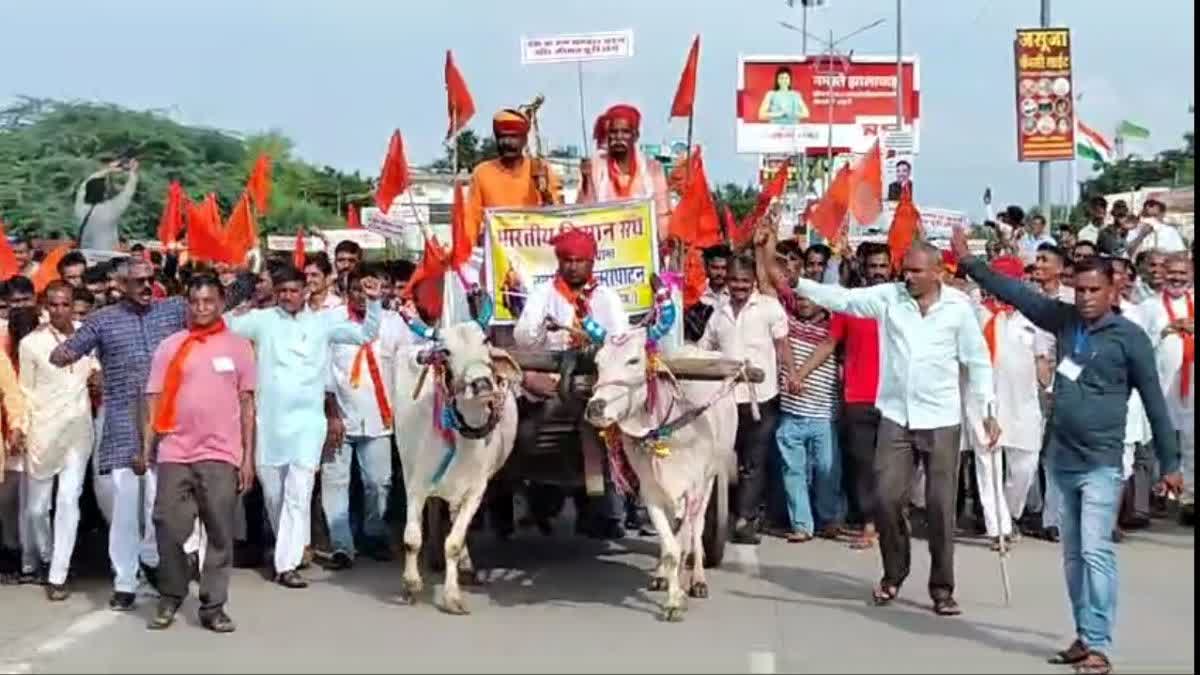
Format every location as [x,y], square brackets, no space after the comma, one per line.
[899,66]
[1044,167]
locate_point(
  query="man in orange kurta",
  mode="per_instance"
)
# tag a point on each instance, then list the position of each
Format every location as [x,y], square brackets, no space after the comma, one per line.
[512,179]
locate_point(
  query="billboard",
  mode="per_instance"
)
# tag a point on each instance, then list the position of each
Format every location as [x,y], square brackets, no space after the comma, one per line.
[784,103]
[1045,95]
[577,47]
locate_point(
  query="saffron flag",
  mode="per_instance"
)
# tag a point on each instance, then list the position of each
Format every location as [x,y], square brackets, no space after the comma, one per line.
[830,213]
[461,242]
[459,105]
[205,240]
[259,183]
[866,187]
[393,177]
[770,193]
[9,267]
[425,285]
[695,220]
[48,270]
[241,232]
[685,95]
[352,218]
[906,225]
[298,257]
[170,222]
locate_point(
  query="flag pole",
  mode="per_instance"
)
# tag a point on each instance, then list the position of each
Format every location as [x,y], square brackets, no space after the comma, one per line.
[582,114]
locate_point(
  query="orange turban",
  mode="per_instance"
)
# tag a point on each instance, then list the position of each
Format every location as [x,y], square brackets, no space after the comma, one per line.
[620,111]
[509,121]
[574,244]
[1010,266]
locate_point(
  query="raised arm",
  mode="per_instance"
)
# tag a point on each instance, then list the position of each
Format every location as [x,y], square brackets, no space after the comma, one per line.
[86,339]
[248,324]
[1143,375]
[347,332]
[1046,313]
[870,302]
[125,197]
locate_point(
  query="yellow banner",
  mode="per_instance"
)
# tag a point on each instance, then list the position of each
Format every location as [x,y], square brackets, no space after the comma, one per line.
[519,239]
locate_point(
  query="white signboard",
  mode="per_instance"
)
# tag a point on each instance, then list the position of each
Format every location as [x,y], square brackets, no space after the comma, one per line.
[287,242]
[365,238]
[577,47]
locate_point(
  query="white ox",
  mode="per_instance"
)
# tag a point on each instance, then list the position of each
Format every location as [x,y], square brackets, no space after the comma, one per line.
[676,482]
[477,389]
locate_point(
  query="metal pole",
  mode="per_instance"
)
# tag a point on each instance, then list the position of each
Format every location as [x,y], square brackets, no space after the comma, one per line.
[829,137]
[899,67]
[582,115]
[804,28]
[1044,167]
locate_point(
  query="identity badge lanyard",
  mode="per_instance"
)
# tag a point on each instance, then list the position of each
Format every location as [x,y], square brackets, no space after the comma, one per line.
[1082,338]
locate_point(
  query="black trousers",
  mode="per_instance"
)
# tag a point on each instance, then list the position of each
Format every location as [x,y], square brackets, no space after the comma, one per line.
[860,430]
[208,490]
[895,462]
[755,441]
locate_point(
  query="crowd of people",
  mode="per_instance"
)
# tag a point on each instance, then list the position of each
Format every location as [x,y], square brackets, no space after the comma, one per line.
[1045,388]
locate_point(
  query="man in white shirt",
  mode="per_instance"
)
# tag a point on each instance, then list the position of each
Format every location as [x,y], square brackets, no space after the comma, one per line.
[1154,234]
[1097,210]
[928,330]
[1029,241]
[1011,339]
[1170,321]
[570,312]
[752,326]
[59,442]
[360,380]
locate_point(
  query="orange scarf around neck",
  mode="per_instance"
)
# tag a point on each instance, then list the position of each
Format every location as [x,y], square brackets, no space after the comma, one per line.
[1189,342]
[580,300]
[614,176]
[366,353]
[164,418]
[989,329]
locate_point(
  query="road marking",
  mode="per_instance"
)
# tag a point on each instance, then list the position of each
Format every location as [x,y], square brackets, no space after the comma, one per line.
[762,663]
[746,557]
[81,628]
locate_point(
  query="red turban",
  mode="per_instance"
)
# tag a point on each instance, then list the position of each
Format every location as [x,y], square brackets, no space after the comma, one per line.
[620,111]
[574,244]
[509,121]
[1010,266]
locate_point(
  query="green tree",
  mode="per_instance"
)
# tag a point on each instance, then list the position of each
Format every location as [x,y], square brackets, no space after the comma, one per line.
[471,151]
[741,199]
[48,147]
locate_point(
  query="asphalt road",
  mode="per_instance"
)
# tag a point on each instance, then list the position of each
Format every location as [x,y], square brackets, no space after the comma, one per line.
[567,604]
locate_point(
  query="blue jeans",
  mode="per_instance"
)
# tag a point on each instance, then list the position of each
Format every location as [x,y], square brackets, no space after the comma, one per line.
[375,469]
[811,464]
[1089,513]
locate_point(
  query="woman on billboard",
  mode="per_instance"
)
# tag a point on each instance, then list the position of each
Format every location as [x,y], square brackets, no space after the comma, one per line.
[782,105]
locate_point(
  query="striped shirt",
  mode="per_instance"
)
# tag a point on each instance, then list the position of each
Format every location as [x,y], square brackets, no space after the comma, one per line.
[820,397]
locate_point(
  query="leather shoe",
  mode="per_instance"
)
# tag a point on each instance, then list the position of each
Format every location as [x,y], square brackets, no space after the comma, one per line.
[291,579]
[218,622]
[121,602]
[164,615]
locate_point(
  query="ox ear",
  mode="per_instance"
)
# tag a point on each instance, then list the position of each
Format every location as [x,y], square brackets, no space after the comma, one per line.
[505,366]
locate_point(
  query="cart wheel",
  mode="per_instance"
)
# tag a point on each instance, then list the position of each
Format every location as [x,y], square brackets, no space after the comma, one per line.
[435,526]
[716,522]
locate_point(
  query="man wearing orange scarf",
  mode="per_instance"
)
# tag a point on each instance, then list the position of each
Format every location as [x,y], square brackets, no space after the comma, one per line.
[359,378]
[553,318]
[200,420]
[619,171]
[1010,338]
[1169,318]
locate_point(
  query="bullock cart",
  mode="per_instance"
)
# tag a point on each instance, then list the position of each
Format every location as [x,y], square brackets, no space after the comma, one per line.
[557,457]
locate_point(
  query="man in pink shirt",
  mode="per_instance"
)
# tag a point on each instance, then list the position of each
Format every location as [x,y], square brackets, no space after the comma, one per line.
[200,413]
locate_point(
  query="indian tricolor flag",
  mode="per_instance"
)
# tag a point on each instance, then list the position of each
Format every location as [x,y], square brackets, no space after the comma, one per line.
[1090,145]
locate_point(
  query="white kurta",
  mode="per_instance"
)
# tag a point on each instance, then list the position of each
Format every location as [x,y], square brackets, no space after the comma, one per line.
[1017,410]
[530,332]
[1168,352]
[58,408]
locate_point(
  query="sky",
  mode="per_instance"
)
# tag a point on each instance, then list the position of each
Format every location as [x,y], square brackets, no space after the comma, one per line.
[337,77]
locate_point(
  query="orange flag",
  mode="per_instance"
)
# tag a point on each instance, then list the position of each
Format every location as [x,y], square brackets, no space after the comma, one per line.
[48,270]
[259,183]
[770,193]
[170,223]
[212,211]
[393,177]
[298,257]
[425,285]
[906,224]
[205,242]
[9,267]
[352,218]
[459,105]
[866,191]
[685,95]
[461,242]
[694,277]
[695,220]
[830,213]
[241,232]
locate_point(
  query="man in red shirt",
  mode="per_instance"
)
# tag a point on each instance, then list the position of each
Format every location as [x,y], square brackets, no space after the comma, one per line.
[860,417]
[199,418]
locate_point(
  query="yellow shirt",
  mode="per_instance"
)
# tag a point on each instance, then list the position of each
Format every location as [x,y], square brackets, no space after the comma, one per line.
[14,404]
[495,185]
